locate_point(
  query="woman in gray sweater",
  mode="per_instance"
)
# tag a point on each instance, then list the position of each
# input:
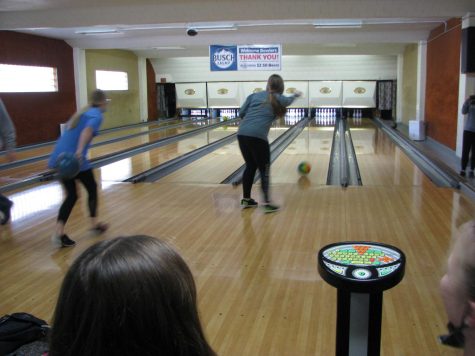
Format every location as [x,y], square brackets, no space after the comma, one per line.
[257,113]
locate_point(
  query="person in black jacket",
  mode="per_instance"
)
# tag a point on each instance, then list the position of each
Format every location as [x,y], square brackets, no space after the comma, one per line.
[468,145]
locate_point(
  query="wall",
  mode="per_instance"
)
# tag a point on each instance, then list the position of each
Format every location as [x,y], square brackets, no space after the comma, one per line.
[321,67]
[442,86]
[37,115]
[409,84]
[124,108]
[151,93]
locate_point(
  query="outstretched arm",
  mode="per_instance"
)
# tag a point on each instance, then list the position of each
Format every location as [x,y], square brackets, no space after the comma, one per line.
[287,100]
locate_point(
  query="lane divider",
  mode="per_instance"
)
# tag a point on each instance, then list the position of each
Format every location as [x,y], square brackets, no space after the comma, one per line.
[440,177]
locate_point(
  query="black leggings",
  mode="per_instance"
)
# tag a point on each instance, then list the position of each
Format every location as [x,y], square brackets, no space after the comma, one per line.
[468,145]
[256,153]
[87,179]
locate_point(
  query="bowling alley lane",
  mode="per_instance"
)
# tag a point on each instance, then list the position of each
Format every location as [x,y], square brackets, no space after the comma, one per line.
[313,145]
[103,136]
[126,168]
[15,174]
[125,131]
[380,161]
[217,165]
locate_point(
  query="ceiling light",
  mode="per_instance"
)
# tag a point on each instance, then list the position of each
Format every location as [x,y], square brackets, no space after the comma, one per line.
[164,48]
[101,31]
[338,24]
[151,27]
[338,45]
[204,28]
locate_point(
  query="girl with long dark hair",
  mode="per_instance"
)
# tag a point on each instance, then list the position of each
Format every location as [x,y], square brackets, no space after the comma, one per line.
[128,296]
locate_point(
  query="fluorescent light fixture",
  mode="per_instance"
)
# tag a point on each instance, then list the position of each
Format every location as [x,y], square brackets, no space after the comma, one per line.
[338,24]
[151,27]
[276,23]
[204,28]
[339,45]
[99,31]
[165,48]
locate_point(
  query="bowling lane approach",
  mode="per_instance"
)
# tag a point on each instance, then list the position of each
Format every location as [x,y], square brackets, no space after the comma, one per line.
[313,145]
[217,165]
[126,168]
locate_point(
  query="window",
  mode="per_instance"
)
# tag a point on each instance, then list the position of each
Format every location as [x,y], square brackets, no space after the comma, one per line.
[27,79]
[109,80]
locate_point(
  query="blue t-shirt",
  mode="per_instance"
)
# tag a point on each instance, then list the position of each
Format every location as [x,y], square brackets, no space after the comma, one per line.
[257,114]
[69,140]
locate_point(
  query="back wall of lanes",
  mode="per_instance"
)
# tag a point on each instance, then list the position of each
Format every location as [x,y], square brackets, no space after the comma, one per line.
[318,67]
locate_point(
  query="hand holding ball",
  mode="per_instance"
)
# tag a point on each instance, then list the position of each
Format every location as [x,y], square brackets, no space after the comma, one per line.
[67,165]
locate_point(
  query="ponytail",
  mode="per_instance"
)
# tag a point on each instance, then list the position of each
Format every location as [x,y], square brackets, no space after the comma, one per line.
[277,107]
[98,97]
[275,85]
[74,120]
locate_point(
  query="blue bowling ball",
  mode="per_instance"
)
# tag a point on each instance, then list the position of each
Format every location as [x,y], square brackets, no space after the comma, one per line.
[67,165]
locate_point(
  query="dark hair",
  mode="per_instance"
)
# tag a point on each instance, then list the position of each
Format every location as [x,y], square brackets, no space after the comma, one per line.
[128,296]
[275,85]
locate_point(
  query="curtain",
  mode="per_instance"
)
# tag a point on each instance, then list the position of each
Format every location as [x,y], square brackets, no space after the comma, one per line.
[387,95]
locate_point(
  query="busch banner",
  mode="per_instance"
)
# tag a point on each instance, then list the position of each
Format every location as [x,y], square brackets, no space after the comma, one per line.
[247,57]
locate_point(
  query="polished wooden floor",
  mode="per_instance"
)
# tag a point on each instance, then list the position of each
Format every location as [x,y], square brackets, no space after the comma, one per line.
[259,289]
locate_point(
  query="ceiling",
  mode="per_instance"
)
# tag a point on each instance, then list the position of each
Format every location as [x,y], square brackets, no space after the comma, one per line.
[375,26]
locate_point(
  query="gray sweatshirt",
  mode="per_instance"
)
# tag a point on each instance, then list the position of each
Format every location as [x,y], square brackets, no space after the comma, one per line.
[469,108]
[257,114]
[7,130]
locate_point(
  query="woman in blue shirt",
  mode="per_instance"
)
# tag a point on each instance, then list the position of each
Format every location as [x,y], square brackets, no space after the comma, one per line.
[81,129]
[257,113]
